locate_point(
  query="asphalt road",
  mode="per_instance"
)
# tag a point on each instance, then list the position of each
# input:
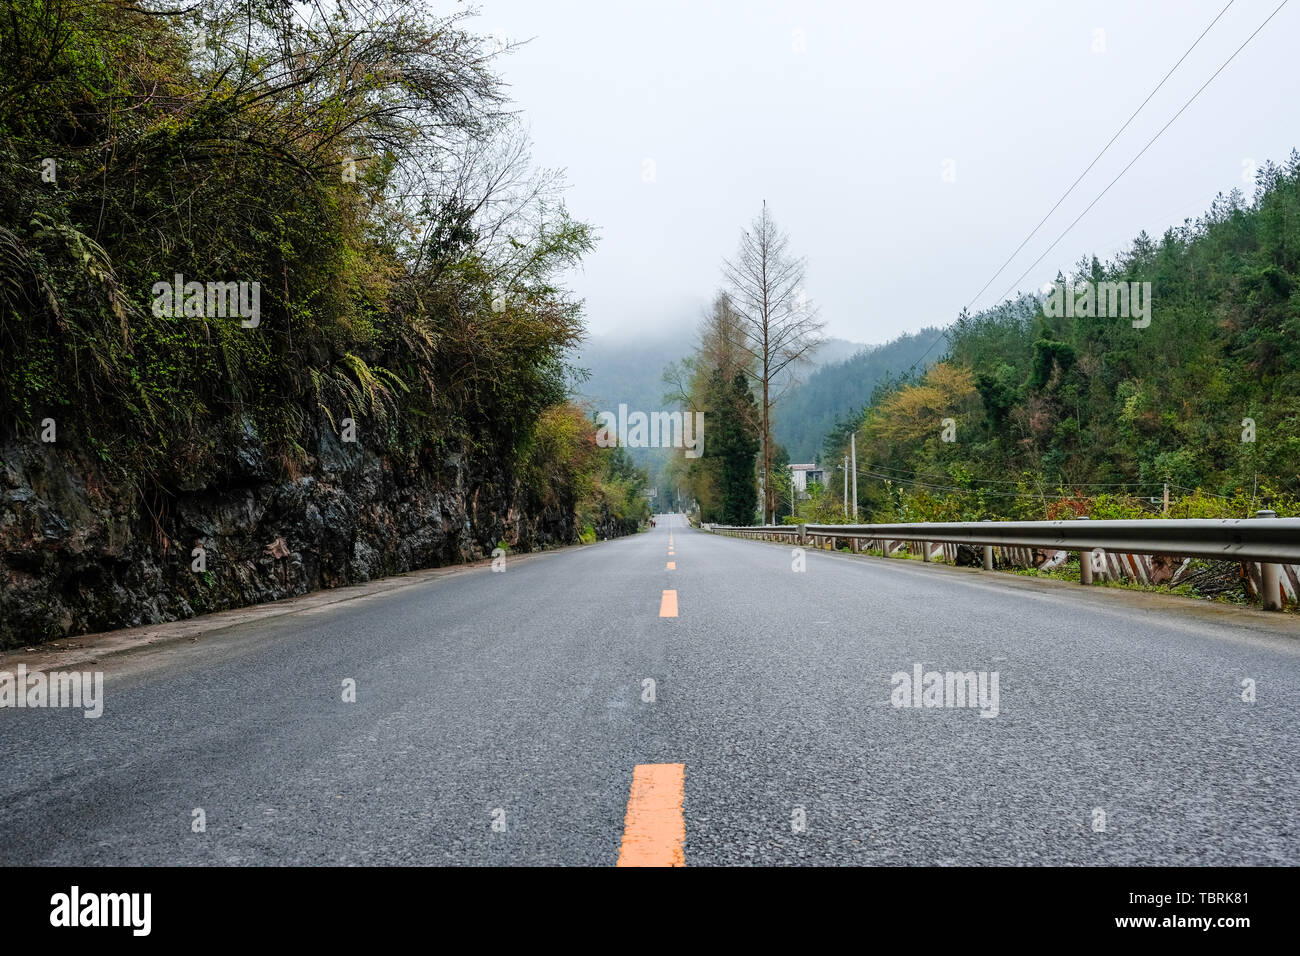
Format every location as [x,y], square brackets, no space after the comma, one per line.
[499,718]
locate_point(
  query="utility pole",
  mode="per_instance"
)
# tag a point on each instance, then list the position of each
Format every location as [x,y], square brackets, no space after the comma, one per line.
[1166,499]
[846,487]
[794,505]
[853,454]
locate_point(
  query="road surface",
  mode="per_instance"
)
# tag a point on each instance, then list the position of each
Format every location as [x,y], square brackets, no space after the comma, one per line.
[500,718]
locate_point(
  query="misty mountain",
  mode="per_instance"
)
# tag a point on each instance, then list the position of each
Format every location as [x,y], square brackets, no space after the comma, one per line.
[630,370]
[834,351]
[838,380]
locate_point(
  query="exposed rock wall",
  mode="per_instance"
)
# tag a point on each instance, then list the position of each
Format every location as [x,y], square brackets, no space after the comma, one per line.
[80,553]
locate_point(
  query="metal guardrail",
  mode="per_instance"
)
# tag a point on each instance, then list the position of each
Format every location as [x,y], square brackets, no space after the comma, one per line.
[1267,542]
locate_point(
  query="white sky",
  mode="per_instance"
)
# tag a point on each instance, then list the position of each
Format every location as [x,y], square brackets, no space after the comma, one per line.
[847,140]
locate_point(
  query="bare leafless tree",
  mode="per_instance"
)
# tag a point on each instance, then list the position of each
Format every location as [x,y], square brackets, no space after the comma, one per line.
[779,325]
[723,343]
[721,347]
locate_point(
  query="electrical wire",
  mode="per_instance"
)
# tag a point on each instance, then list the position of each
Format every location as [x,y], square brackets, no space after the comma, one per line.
[1194,96]
[1004,295]
[1033,232]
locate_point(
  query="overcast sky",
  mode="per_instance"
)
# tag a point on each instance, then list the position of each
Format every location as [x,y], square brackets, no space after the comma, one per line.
[843,115]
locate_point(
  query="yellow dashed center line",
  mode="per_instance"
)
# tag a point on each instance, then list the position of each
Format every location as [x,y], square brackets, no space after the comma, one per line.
[672,565]
[654,828]
[668,604]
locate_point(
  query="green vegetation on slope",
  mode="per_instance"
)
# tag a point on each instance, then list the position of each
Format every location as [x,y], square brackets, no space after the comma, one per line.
[357,168]
[1054,416]
[837,392]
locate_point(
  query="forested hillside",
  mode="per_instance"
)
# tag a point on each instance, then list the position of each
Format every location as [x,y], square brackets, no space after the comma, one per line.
[1033,414]
[838,391]
[279,308]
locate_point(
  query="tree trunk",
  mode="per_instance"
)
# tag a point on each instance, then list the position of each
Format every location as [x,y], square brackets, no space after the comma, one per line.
[768,506]
[769,503]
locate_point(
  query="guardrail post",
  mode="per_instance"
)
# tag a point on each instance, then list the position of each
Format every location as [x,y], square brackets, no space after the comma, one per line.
[988,554]
[1085,561]
[925,551]
[1270,578]
[853,544]
[803,535]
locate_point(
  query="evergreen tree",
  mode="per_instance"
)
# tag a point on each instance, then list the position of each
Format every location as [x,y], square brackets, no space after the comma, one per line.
[732,442]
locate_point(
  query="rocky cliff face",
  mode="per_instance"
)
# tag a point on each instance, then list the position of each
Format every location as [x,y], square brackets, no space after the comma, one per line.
[79,553]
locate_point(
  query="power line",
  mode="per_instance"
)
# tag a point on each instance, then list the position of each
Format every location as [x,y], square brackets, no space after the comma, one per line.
[935,486]
[951,488]
[1198,204]
[1194,96]
[1201,491]
[1016,481]
[1104,149]
[942,335]
[1005,481]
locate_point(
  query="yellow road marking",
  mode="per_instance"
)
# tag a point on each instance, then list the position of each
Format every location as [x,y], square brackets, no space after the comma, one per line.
[672,565]
[654,828]
[668,604]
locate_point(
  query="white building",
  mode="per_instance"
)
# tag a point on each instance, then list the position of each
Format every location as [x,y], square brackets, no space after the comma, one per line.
[803,475]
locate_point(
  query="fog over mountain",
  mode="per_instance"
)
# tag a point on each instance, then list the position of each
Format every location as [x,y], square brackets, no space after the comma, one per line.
[837,381]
